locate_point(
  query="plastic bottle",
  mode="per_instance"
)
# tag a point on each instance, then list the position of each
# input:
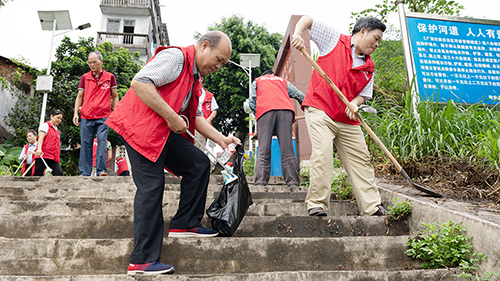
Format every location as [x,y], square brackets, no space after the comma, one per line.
[227,153]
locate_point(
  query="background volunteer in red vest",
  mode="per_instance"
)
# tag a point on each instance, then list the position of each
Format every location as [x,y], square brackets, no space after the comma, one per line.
[346,60]
[150,118]
[109,154]
[27,152]
[96,92]
[273,109]
[49,146]
[208,105]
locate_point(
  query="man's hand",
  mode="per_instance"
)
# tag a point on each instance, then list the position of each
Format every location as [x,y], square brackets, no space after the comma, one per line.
[227,140]
[297,41]
[177,124]
[76,120]
[349,113]
[38,153]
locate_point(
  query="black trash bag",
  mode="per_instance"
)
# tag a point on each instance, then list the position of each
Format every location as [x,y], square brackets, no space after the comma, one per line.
[230,206]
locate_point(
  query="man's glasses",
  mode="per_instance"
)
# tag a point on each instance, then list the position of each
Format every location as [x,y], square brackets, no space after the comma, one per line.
[93,62]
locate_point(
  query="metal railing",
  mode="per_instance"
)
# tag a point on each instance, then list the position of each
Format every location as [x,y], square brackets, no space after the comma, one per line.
[127,40]
[127,3]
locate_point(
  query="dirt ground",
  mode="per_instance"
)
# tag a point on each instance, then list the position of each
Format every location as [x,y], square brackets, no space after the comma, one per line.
[462,179]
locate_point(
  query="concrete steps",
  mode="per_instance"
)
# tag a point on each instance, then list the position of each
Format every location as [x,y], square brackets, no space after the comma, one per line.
[73,228]
[337,275]
[109,226]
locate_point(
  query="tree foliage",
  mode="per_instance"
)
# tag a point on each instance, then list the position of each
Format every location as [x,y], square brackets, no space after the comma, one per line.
[230,83]
[391,79]
[69,66]
[3,2]
[436,7]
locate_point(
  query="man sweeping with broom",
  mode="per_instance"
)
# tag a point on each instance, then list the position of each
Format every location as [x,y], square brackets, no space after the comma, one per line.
[346,60]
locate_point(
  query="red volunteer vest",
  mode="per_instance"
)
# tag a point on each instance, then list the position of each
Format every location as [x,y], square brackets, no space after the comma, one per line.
[272,94]
[122,165]
[96,96]
[23,169]
[145,130]
[51,146]
[351,81]
[206,106]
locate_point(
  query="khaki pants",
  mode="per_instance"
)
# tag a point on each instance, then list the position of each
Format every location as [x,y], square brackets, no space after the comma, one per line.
[350,143]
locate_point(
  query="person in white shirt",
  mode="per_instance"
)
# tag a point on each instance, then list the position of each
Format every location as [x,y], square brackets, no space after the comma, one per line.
[26,156]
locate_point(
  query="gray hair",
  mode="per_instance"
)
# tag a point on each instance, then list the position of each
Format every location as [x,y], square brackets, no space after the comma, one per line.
[368,23]
[213,37]
[97,53]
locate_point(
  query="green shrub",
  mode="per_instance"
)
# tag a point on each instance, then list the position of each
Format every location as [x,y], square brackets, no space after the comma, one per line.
[8,159]
[249,166]
[399,210]
[305,178]
[443,246]
[341,186]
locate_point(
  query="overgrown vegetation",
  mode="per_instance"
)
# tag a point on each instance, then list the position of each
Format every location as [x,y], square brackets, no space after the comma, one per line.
[340,184]
[8,158]
[446,245]
[399,211]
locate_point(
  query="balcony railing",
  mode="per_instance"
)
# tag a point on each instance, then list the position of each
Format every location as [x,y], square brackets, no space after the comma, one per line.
[127,3]
[131,41]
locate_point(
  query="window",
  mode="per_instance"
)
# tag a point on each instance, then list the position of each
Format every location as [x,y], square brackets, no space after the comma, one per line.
[128,27]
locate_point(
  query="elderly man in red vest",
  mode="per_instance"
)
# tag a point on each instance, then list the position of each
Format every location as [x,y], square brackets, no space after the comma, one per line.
[96,90]
[152,118]
[346,60]
[273,109]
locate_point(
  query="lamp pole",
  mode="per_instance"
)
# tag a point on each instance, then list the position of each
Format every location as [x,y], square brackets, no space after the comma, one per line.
[246,64]
[60,21]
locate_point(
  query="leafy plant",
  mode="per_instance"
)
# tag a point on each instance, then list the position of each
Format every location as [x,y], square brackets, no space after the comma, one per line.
[305,178]
[336,162]
[470,270]
[8,159]
[341,186]
[399,210]
[443,246]
[249,165]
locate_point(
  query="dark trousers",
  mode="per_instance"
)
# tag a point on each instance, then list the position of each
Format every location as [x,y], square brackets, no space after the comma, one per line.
[183,159]
[276,123]
[40,167]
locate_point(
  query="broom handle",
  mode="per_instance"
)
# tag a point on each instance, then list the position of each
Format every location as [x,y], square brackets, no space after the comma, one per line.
[349,105]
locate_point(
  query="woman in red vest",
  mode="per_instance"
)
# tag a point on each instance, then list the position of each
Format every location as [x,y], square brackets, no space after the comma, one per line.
[49,145]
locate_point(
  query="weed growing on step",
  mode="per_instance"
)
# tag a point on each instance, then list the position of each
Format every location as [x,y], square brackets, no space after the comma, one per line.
[470,271]
[249,165]
[305,178]
[341,186]
[399,210]
[444,246]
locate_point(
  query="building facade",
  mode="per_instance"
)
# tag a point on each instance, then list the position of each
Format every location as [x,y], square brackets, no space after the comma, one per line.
[14,79]
[135,25]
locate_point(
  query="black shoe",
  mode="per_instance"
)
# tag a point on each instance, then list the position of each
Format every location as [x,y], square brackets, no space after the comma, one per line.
[317,212]
[380,211]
